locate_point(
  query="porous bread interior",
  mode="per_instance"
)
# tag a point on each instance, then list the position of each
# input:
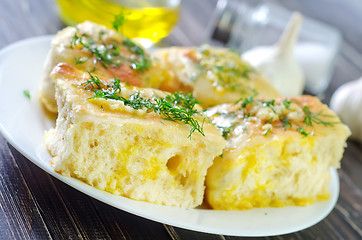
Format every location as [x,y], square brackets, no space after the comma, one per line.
[142,158]
[120,160]
[280,172]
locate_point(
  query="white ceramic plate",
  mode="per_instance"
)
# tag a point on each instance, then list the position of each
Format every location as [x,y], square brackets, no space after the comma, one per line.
[22,122]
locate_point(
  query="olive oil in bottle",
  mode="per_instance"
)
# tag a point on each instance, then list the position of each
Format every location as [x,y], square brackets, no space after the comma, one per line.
[144,20]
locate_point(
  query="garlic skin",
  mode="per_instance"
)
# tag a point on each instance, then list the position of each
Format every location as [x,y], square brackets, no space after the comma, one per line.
[346,101]
[278,62]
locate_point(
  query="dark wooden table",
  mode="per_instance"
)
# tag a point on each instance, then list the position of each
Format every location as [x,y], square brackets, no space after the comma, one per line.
[35,205]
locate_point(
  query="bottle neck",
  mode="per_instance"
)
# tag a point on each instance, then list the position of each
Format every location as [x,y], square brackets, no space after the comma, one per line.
[238,24]
[226,15]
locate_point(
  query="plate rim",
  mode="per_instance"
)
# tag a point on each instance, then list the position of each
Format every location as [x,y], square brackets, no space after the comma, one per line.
[70,181]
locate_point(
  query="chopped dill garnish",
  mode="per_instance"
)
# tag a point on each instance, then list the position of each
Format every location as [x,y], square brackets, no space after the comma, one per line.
[280,118]
[228,69]
[287,103]
[108,54]
[27,94]
[311,118]
[269,104]
[225,130]
[143,62]
[286,122]
[76,39]
[100,34]
[302,131]
[245,101]
[266,131]
[173,107]
[270,120]
[80,60]
[198,74]
[118,21]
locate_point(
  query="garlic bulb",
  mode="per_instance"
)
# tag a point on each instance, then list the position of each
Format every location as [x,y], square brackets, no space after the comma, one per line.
[278,62]
[346,101]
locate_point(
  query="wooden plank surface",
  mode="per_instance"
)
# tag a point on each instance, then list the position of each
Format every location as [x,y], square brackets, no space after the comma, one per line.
[20,215]
[34,205]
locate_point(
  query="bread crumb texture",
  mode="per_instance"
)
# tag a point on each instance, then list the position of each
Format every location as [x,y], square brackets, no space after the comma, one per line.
[275,169]
[129,153]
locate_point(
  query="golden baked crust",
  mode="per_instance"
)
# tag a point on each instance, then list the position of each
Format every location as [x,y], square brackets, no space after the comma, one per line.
[125,151]
[278,153]
[213,75]
[102,51]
